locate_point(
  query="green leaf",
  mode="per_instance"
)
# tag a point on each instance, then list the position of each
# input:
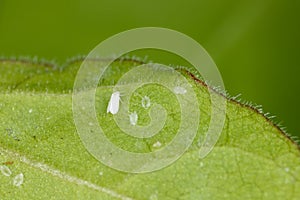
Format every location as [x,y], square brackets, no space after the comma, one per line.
[253,158]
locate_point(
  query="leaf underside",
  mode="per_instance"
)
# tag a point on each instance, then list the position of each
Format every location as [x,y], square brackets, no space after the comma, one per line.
[253,158]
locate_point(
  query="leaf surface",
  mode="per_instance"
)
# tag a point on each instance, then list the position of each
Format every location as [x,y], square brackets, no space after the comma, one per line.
[253,158]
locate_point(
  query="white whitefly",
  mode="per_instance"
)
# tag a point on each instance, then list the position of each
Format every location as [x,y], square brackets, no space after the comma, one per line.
[133,117]
[146,103]
[201,164]
[179,90]
[153,197]
[157,144]
[114,102]
[30,110]
[101,173]
[5,170]
[18,180]
[287,169]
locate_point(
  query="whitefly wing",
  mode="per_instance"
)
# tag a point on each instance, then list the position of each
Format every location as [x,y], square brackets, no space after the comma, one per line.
[114,102]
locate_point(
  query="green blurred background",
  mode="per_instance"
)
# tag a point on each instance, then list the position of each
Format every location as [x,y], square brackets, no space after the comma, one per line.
[255,43]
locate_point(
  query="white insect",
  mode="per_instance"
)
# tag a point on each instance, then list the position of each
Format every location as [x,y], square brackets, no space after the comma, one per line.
[133,117]
[5,170]
[146,102]
[157,144]
[201,164]
[153,197]
[113,105]
[18,180]
[179,90]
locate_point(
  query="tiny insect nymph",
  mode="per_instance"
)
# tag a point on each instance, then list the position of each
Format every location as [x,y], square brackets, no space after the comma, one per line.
[113,105]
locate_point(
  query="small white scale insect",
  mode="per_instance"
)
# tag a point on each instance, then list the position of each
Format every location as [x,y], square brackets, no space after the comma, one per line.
[146,102]
[114,102]
[18,180]
[179,90]
[133,117]
[5,170]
